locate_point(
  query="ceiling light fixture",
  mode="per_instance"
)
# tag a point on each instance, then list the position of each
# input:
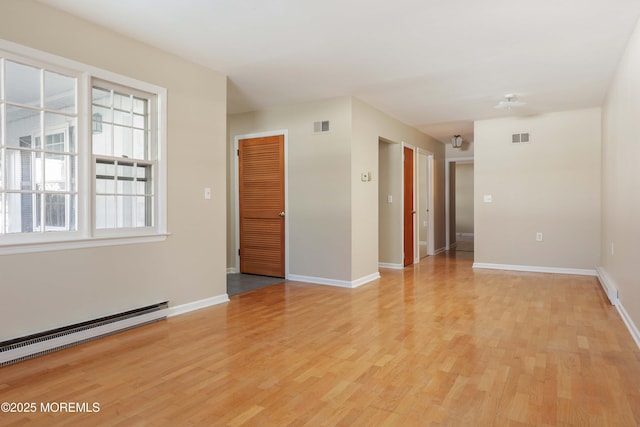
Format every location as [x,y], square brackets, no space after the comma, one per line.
[510,100]
[456,141]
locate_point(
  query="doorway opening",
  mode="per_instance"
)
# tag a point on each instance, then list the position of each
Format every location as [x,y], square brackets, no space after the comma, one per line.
[261,226]
[460,205]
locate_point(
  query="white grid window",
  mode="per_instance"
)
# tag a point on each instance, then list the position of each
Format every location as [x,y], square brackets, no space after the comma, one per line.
[81,155]
[38,191]
[124,157]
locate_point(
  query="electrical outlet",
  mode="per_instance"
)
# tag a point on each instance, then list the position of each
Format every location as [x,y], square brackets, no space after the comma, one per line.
[538,237]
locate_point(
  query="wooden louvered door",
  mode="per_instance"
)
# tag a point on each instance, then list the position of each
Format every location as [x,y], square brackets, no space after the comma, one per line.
[261,203]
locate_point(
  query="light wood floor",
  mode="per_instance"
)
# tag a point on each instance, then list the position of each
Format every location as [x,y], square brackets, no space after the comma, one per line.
[435,344]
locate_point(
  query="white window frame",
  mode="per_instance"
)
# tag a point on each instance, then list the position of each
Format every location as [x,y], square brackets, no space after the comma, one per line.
[87,236]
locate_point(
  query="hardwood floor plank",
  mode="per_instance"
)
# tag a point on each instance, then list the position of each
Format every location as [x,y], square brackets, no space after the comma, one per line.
[432,345]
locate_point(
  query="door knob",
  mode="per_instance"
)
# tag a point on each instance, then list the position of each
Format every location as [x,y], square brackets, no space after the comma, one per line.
[281,214]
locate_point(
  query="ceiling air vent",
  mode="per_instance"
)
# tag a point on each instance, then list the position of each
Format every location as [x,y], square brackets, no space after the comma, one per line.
[319,127]
[519,138]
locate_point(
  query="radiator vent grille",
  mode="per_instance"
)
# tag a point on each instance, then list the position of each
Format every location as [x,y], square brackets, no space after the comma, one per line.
[520,138]
[322,126]
[31,346]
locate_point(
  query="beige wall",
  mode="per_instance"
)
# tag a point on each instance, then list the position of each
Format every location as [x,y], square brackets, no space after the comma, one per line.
[551,185]
[464,197]
[46,290]
[332,213]
[389,179]
[621,180]
[319,194]
[466,151]
[369,124]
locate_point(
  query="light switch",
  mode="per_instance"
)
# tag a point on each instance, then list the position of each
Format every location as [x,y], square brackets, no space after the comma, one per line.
[389,198]
[364,176]
[207,193]
[488,198]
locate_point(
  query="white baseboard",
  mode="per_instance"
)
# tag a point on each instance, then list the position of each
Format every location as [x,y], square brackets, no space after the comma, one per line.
[390,265]
[440,250]
[536,269]
[197,305]
[331,282]
[633,329]
[611,289]
[608,285]
[465,234]
[232,270]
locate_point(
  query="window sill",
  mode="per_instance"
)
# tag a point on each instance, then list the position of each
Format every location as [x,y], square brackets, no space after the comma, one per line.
[94,242]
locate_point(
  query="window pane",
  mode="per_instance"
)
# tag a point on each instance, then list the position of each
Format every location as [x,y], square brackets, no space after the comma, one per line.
[24,170]
[23,212]
[140,150]
[105,212]
[126,211]
[139,121]
[104,185]
[1,116]
[122,101]
[102,114]
[125,187]
[140,105]
[101,96]
[126,170]
[2,229]
[58,172]
[103,141]
[60,131]
[106,168]
[56,208]
[144,213]
[121,118]
[122,141]
[23,127]
[105,176]
[22,84]
[59,92]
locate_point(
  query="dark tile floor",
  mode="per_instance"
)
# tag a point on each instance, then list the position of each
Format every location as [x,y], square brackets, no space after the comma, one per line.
[241,283]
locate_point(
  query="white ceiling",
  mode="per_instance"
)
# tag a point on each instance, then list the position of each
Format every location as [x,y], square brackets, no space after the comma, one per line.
[434,64]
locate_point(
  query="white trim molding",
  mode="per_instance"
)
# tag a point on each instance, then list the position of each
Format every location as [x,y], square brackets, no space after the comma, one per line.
[232,270]
[535,269]
[633,329]
[197,305]
[390,265]
[332,282]
[611,289]
[608,285]
[439,251]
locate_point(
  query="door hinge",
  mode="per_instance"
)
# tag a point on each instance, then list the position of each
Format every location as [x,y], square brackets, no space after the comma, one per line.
[238,152]
[238,252]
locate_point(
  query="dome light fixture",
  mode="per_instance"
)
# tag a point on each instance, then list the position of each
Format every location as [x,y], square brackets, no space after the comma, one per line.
[456,141]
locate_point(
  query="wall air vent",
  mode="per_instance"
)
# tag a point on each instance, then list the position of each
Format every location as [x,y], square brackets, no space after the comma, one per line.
[520,138]
[319,127]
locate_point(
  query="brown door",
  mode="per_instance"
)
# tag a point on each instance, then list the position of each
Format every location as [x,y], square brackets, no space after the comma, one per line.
[261,203]
[408,206]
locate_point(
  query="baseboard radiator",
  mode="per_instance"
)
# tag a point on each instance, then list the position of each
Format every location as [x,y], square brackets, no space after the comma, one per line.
[19,349]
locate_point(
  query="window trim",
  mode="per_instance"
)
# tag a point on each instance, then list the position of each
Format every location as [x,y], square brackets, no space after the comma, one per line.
[86,235]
